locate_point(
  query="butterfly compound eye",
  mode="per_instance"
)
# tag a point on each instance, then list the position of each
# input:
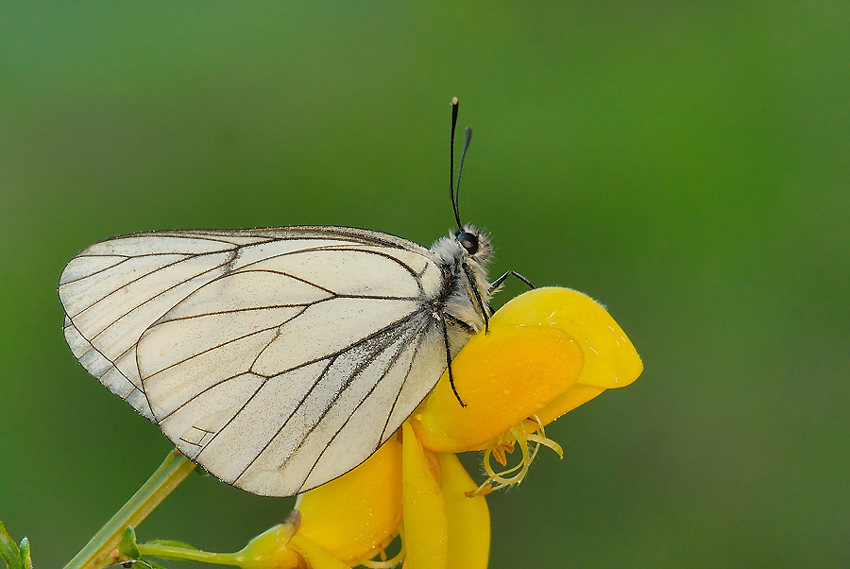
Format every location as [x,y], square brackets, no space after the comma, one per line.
[468,241]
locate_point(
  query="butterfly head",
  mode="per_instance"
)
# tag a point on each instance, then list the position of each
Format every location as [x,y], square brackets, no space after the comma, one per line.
[466,245]
[469,241]
[464,255]
[473,243]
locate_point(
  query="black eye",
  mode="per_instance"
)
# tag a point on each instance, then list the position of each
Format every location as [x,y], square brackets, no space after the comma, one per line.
[469,242]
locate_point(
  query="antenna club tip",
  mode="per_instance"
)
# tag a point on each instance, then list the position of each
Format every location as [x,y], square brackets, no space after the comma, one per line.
[454,101]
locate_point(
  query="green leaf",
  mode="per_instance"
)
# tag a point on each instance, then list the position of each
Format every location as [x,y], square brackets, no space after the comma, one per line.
[172,543]
[25,554]
[9,551]
[128,547]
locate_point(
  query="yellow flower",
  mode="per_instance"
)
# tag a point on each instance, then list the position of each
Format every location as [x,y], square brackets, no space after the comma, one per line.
[547,352]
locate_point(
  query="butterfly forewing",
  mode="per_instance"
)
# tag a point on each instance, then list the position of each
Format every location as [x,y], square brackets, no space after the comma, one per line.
[278,358]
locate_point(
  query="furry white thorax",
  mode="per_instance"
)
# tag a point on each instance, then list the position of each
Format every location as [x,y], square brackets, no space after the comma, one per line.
[461,303]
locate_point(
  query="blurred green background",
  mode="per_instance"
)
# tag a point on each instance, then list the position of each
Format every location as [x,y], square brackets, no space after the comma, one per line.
[686,163]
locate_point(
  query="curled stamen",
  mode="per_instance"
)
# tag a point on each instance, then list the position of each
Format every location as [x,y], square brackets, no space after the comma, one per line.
[518,434]
[547,443]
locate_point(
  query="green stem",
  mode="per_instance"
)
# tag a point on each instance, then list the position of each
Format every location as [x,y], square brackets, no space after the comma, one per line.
[269,549]
[182,553]
[96,554]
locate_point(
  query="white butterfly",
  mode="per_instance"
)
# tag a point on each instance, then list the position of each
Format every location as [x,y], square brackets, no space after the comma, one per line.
[278,359]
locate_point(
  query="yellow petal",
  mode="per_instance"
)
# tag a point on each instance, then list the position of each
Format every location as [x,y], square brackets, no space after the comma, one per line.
[469,518]
[353,515]
[503,377]
[548,351]
[425,524]
[610,359]
[578,394]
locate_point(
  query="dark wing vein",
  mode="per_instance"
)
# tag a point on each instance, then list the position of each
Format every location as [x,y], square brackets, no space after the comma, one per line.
[260,307]
[154,271]
[331,357]
[199,393]
[420,334]
[387,340]
[391,364]
[125,258]
[221,345]
[354,344]
[331,248]
[157,295]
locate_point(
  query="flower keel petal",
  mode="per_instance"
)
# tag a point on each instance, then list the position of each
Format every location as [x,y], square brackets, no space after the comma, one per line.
[426,526]
[469,517]
[352,516]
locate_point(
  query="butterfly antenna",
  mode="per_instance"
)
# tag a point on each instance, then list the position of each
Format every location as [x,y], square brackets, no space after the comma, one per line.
[466,142]
[452,193]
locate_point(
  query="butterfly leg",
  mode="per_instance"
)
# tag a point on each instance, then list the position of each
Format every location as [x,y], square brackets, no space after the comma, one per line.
[498,282]
[484,312]
[449,360]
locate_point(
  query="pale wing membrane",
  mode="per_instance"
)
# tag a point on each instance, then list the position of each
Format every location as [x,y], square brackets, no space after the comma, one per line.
[301,368]
[410,374]
[110,298]
[268,434]
[277,358]
[336,427]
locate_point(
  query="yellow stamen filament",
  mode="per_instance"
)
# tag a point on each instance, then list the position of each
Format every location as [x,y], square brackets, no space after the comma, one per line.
[505,443]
